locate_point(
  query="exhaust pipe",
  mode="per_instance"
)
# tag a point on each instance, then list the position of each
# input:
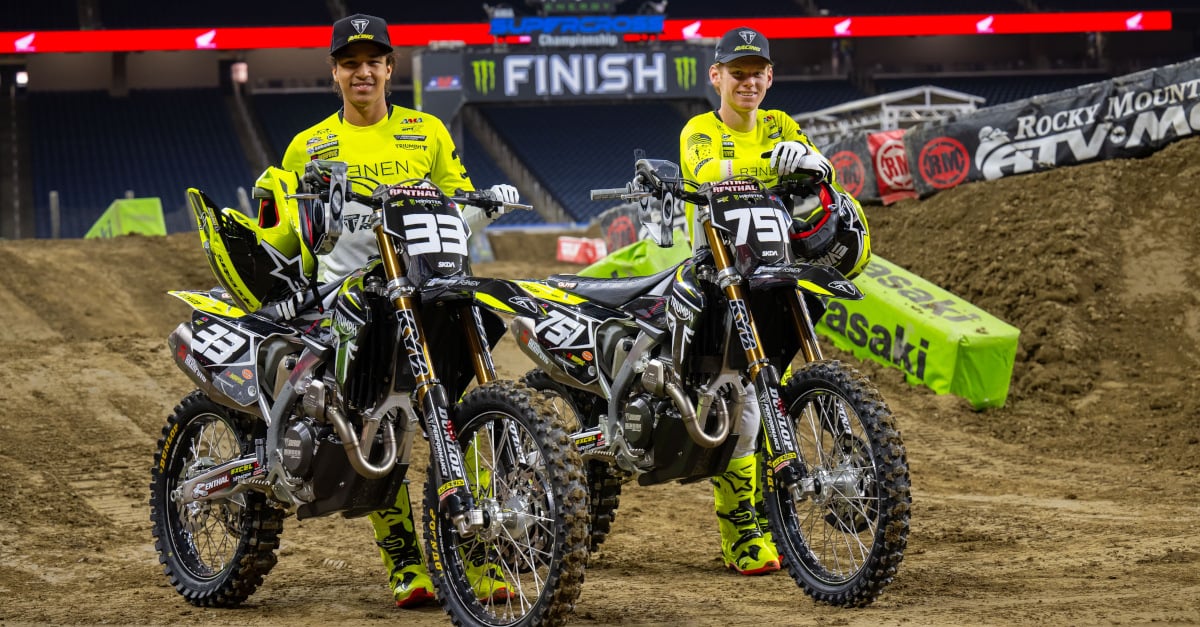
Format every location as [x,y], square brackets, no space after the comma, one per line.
[654,380]
[357,448]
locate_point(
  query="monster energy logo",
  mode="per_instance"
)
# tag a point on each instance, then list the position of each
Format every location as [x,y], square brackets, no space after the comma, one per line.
[485,75]
[685,72]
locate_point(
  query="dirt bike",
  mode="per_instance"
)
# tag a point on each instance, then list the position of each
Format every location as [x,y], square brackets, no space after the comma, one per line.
[657,368]
[293,417]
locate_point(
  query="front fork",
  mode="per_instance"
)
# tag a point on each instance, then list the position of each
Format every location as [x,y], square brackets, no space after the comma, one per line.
[783,458]
[450,476]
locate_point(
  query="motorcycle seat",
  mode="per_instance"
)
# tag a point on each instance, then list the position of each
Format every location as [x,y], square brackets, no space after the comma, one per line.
[610,292]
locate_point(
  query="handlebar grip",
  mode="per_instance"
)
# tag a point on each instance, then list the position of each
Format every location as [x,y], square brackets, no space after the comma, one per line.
[612,193]
[515,206]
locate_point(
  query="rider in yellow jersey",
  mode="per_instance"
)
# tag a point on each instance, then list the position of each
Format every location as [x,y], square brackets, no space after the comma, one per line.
[389,144]
[831,229]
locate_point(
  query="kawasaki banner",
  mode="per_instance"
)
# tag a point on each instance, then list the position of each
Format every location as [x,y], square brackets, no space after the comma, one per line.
[1129,116]
[936,338]
[586,74]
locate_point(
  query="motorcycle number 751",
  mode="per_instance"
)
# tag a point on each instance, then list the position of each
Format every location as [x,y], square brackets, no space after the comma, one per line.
[769,224]
[560,329]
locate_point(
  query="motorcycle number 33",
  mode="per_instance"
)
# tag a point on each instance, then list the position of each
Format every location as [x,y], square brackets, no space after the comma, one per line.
[435,234]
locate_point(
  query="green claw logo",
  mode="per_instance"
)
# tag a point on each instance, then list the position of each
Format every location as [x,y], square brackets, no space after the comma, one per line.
[485,75]
[685,72]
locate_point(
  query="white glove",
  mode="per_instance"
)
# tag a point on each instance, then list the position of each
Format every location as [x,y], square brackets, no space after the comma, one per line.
[817,163]
[504,193]
[477,219]
[786,156]
[793,156]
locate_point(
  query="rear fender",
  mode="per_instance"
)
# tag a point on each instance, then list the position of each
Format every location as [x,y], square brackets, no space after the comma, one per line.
[554,328]
[205,302]
[220,354]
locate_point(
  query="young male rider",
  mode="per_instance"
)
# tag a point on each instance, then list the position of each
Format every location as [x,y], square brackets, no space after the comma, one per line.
[732,141]
[389,144]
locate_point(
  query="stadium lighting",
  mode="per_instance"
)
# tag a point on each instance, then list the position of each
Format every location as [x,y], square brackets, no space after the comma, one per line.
[239,72]
[22,78]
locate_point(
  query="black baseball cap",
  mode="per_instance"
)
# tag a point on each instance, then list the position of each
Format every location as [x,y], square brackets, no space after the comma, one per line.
[742,42]
[359,27]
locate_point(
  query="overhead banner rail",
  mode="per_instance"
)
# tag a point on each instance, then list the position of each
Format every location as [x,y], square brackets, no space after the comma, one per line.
[479,33]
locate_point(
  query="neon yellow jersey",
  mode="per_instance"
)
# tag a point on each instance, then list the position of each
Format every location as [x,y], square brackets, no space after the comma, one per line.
[710,151]
[404,145]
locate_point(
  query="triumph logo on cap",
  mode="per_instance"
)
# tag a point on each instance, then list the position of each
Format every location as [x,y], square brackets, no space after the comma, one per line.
[747,35]
[361,25]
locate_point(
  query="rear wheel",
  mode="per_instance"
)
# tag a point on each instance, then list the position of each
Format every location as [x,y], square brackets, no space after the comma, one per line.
[603,483]
[215,553]
[843,545]
[526,566]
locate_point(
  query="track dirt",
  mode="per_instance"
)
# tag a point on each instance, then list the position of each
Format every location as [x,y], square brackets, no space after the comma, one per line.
[1077,503]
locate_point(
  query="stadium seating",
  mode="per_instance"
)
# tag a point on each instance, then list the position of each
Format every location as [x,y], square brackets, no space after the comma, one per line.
[47,15]
[485,172]
[918,7]
[155,143]
[996,89]
[796,97]
[572,149]
[117,14]
[1117,5]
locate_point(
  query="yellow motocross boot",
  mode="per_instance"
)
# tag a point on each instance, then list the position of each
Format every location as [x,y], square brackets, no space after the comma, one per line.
[742,544]
[395,533]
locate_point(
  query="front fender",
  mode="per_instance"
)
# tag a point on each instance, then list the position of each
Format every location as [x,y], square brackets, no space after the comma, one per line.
[813,278]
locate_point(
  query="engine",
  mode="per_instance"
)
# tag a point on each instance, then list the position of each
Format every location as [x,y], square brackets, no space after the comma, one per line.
[300,446]
[638,421]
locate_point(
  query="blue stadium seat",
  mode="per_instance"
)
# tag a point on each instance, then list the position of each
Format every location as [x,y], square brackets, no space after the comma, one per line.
[996,89]
[795,97]
[572,149]
[485,172]
[282,115]
[155,143]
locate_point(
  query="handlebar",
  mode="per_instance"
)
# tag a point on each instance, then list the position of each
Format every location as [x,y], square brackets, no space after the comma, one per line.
[325,175]
[613,193]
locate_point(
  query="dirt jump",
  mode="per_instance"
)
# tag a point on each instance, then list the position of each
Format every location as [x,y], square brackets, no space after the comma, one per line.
[1077,503]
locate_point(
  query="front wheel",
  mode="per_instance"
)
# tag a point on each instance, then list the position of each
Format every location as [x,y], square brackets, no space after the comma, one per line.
[526,565]
[215,553]
[844,544]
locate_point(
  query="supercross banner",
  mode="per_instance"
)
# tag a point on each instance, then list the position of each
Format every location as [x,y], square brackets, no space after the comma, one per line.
[586,74]
[1129,116]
